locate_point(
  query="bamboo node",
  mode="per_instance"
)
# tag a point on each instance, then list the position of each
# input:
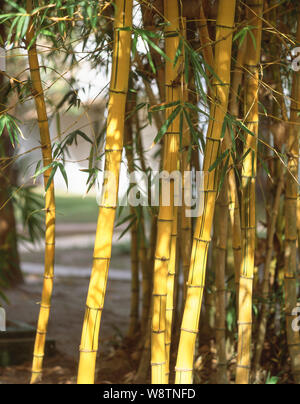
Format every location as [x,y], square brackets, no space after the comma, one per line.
[117,91]
[87,350]
[194,286]
[163,259]
[250,278]
[113,150]
[202,240]
[94,308]
[45,306]
[158,332]
[38,356]
[158,363]
[184,370]
[243,367]
[190,331]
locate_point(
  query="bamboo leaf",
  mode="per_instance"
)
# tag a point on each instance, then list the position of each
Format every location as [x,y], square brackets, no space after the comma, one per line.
[218,160]
[167,124]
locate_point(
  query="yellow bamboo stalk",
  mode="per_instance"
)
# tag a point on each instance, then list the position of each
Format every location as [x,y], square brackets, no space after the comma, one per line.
[234,102]
[166,213]
[221,227]
[146,279]
[202,235]
[106,218]
[248,195]
[171,291]
[291,198]
[135,282]
[45,306]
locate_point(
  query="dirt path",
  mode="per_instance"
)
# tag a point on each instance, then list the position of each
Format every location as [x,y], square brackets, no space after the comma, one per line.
[68,310]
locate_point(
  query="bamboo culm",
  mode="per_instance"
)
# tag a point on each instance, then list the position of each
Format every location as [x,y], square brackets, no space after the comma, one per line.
[221,227]
[45,306]
[202,235]
[135,282]
[248,210]
[166,213]
[107,211]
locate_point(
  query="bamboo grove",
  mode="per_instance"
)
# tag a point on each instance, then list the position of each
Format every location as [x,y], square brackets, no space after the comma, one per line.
[215,87]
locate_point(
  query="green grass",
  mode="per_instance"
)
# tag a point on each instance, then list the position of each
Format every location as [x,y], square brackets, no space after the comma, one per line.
[75,209]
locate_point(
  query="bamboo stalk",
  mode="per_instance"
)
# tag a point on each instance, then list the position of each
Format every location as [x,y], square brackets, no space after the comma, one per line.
[146,260]
[171,292]
[234,206]
[149,10]
[248,195]
[206,43]
[262,327]
[135,282]
[221,227]
[45,306]
[146,278]
[144,364]
[166,213]
[202,235]
[291,198]
[150,94]
[234,102]
[106,218]
[185,163]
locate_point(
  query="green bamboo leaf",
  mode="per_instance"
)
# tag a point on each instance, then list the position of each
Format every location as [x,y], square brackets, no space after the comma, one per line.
[64,174]
[163,107]
[167,124]
[39,171]
[53,172]
[223,173]
[178,52]
[125,219]
[127,228]
[219,160]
